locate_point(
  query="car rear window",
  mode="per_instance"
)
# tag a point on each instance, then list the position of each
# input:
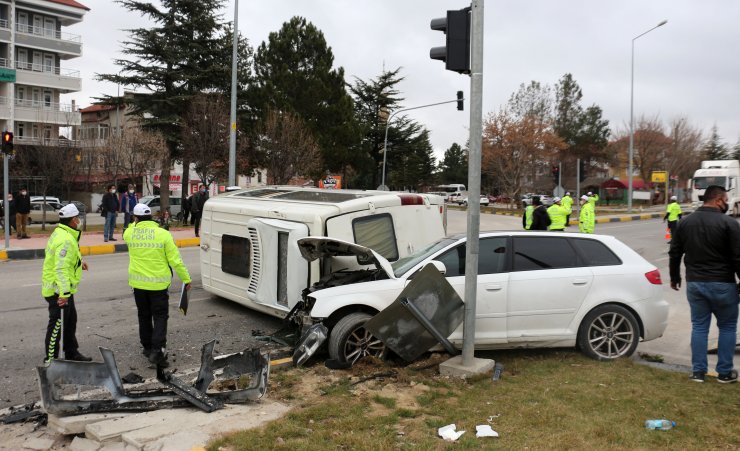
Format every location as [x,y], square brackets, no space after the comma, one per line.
[595,253]
[541,252]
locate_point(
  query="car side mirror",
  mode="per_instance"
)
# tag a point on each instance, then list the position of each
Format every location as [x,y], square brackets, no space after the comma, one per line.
[440,266]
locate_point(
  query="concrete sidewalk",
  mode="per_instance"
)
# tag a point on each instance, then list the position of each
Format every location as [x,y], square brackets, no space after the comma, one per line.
[91,243]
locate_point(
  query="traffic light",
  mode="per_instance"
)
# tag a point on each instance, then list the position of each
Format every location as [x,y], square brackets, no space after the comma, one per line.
[555,174]
[582,170]
[460,100]
[456,52]
[7,144]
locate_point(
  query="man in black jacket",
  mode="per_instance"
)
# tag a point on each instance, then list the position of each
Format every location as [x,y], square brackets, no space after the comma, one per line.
[22,210]
[196,207]
[540,218]
[110,211]
[710,241]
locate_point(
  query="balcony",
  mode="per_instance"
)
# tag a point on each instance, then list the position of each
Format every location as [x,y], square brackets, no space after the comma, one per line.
[65,80]
[51,142]
[5,31]
[66,45]
[36,111]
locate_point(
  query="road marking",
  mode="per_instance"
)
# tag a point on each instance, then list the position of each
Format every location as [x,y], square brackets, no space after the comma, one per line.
[31,285]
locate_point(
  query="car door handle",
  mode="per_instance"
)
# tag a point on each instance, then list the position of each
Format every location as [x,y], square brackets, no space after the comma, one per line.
[580,281]
[493,287]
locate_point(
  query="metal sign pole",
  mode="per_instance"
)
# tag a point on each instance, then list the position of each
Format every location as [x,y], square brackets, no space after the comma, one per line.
[474,168]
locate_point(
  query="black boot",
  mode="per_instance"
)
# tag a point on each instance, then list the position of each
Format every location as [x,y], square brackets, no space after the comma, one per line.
[76,356]
[159,358]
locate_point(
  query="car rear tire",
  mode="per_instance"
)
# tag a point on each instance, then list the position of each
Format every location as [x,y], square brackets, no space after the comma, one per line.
[608,332]
[349,341]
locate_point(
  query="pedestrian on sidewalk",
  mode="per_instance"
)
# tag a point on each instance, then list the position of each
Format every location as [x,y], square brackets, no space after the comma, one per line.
[558,215]
[185,209]
[709,243]
[540,219]
[128,201]
[152,257]
[110,211]
[196,209]
[587,217]
[673,215]
[10,205]
[61,274]
[22,210]
[567,202]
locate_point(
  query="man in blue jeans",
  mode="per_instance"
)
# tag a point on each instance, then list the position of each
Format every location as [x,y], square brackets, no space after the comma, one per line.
[110,211]
[710,241]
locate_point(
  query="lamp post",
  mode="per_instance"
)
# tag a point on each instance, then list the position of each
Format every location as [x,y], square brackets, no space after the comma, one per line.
[382,186]
[632,128]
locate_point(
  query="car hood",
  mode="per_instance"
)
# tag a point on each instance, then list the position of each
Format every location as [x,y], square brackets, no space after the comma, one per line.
[313,248]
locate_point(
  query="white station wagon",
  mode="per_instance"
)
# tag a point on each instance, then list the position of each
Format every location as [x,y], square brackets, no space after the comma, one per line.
[534,290]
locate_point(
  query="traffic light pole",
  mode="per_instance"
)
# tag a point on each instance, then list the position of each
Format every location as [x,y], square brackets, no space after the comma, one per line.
[474,168]
[6,189]
[232,121]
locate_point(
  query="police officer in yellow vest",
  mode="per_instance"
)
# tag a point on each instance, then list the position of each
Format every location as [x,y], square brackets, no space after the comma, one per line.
[673,214]
[567,202]
[558,215]
[587,218]
[61,274]
[527,217]
[152,252]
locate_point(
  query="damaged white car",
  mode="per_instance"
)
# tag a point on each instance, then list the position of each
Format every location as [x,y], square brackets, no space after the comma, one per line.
[534,290]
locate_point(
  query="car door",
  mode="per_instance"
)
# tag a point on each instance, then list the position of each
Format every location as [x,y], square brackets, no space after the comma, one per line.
[490,311]
[547,285]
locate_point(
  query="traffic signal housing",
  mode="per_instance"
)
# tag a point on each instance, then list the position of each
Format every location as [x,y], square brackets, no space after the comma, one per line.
[555,174]
[456,52]
[460,98]
[7,144]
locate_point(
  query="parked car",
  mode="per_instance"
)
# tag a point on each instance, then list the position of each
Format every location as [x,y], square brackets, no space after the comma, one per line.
[483,200]
[80,206]
[535,289]
[41,198]
[37,212]
[544,198]
[153,202]
[500,199]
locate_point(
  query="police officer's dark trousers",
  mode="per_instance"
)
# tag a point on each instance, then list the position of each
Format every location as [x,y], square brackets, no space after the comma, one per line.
[70,344]
[672,227]
[153,308]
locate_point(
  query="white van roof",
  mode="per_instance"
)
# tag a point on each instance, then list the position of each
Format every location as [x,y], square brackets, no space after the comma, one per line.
[312,201]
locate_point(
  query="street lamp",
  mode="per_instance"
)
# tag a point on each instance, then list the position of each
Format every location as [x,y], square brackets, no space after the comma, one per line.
[632,128]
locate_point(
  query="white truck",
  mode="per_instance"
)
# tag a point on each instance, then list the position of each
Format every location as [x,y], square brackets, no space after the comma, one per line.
[249,252]
[725,173]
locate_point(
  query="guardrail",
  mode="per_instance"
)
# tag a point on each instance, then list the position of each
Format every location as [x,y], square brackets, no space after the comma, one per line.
[46,33]
[40,67]
[52,106]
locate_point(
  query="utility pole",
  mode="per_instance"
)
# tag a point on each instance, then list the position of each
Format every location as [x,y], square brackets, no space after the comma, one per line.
[232,127]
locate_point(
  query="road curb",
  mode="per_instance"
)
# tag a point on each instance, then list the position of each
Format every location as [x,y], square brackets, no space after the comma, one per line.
[96,249]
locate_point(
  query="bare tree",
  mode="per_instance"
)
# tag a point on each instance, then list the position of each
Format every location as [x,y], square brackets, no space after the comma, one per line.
[286,147]
[685,152]
[650,147]
[138,148]
[205,137]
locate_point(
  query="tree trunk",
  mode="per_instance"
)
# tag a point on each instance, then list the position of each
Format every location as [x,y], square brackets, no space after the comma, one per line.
[164,180]
[185,180]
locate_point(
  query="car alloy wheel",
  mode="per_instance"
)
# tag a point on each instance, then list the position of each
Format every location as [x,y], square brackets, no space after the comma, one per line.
[349,341]
[609,332]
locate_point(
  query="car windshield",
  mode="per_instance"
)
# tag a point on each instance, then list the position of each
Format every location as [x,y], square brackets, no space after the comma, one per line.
[402,265]
[706,182]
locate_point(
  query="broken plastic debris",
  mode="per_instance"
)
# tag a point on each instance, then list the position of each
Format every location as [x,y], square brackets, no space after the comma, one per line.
[449,433]
[484,430]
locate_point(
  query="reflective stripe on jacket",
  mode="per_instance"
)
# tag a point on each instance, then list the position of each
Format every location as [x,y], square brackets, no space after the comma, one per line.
[62,269]
[152,252]
[587,218]
[558,215]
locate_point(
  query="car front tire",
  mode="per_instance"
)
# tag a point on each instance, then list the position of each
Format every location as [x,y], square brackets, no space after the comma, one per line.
[609,332]
[349,341]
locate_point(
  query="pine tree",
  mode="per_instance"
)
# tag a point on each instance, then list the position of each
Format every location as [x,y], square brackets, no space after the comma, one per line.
[715,149]
[454,167]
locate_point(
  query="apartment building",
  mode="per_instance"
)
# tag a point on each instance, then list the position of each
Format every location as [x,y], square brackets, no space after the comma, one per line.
[34,50]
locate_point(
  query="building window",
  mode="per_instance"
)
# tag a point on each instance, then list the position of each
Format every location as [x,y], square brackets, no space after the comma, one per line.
[21,129]
[48,63]
[50,27]
[47,99]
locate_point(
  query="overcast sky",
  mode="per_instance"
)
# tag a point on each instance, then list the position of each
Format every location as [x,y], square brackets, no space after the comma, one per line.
[688,67]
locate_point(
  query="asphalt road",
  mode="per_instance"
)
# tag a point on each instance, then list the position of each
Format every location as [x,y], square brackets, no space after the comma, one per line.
[107,314]
[107,317]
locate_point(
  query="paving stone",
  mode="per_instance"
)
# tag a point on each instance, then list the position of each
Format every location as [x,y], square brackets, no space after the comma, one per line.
[84,444]
[111,430]
[75,424]
[38,443]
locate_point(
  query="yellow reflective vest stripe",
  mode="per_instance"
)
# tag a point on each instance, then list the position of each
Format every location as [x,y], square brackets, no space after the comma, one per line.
[62,268]
[152,252]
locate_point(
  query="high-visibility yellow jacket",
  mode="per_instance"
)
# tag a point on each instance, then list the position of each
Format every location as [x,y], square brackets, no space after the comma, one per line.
[152,252]
[558,215]
[673,212]
[62,269]
[587,218]
[567,202]
[527,220]
[593,199]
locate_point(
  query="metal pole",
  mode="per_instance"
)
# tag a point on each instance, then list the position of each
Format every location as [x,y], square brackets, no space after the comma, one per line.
[632,103]
[6,188]
[578,184]
[232,132]
[474,168]
[560,178]
[382,186]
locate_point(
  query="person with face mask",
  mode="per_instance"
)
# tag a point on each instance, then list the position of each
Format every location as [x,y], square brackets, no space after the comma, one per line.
[10,205]
[128,201]
[60,277]
[587,217]
[709,243]
[22,210]
[196,209]
[110,211]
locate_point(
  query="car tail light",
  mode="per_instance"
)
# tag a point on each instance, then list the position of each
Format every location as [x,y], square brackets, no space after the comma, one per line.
[654,277]
[411,199]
